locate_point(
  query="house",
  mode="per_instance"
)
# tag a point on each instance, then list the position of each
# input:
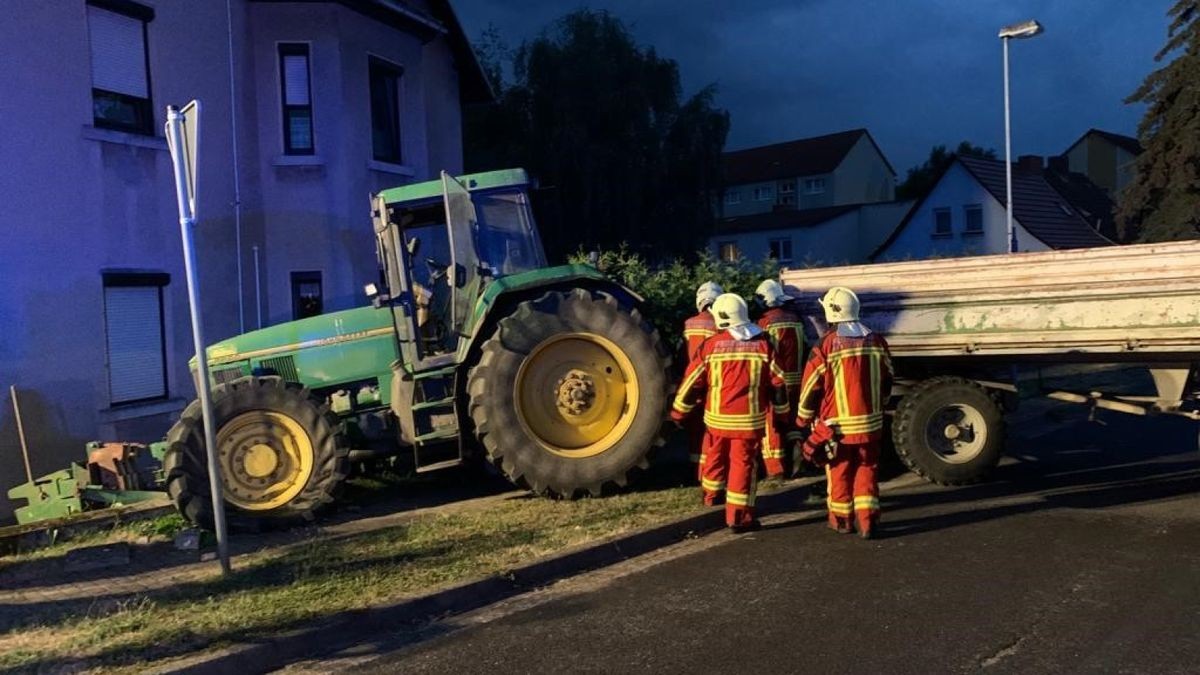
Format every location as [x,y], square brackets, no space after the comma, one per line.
[964,214]
[1107,159]
[832,170]
[308,107]
[830,235]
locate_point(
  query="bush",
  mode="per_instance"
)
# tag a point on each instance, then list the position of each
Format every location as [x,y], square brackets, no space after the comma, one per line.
[670,288]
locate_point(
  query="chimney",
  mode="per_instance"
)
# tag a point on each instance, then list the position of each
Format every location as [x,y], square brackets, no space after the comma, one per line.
[1030,163]
[1058,164]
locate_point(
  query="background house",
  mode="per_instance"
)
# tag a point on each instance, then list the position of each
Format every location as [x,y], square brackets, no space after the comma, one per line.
[1107,159]
[308,107]
[831,235]
[964,214]
[832,170]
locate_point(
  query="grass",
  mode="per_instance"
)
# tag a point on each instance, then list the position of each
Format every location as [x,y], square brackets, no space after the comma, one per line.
[161,528]
[322,577]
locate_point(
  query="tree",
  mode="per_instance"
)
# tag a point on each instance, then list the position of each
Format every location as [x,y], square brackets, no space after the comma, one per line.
[920,179]
[599,121]
[1162,202]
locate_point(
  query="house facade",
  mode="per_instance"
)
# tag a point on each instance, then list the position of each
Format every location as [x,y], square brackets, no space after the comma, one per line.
[308,107]
[964,214]
[823,171]
[833,235]
[1106,158]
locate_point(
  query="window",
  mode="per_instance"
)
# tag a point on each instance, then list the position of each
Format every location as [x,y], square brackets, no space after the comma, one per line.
[728,251]
[942,224]
[973,214]
[814,186]
[385,111]
[135,339]
[120,65]
[787,188]
[733,197]
[781,250]
[307,298]
[296,95]
[764,193]
[787,200]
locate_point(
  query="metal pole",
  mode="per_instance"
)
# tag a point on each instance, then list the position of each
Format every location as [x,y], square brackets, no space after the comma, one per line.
[12,390]
[237,185]
[1010,232]
[257,288]
[186,224]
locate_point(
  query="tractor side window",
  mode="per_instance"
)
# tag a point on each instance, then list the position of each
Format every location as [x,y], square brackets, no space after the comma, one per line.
[504,235]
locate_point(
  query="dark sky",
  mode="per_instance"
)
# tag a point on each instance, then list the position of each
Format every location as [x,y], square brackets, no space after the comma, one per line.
[915,72]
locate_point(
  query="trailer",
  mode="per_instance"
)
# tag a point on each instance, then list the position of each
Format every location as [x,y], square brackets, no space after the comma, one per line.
[961,329]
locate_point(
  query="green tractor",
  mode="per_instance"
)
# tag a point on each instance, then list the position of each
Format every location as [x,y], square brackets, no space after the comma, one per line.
[471,347]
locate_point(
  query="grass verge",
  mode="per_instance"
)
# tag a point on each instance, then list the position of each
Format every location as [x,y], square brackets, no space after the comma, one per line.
[322,577]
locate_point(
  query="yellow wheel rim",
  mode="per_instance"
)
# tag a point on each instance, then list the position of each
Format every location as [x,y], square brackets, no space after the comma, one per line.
[576,394]
[266,459]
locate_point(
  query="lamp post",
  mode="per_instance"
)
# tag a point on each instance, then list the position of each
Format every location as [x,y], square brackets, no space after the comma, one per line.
[1017,31]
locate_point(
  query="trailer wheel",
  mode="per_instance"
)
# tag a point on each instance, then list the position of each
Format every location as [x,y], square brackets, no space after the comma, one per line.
[570,393]
[949,431]
[281,454]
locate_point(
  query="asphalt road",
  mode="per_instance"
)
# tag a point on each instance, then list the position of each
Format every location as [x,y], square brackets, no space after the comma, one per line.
[1083,555]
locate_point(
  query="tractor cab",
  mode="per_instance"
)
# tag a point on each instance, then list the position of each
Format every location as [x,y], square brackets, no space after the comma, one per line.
[440,243]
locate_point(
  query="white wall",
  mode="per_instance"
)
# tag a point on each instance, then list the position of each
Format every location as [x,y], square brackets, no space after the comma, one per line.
[957,189]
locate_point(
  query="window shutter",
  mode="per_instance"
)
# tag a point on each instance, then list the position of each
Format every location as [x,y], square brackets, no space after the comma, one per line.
[118,53]
[295,73]
[136,368]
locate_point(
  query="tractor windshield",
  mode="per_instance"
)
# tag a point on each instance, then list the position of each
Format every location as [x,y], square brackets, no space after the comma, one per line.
[505,237]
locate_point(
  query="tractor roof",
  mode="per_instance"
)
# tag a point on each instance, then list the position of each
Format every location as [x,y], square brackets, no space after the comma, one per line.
[488,180]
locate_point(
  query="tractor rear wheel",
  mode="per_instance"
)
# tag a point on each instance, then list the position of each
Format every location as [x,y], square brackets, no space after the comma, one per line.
[280,454]
[570,393]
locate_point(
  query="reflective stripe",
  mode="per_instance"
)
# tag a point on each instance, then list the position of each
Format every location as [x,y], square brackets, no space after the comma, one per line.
[755,378]
[712,485]
[681,403]
[792,378]
[698,332]
[839,508]
[866,503]
[739,499]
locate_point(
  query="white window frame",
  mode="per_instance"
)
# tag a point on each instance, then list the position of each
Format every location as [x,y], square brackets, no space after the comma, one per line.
[814,186]
[764,193]
[737,251]
[787,188]
[949,231]
[785,247]
[281,47]
[967,211]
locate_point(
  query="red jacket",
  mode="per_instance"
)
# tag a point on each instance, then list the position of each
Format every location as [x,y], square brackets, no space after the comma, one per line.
[847,383]
[697,329]
[785,328]
[740,378]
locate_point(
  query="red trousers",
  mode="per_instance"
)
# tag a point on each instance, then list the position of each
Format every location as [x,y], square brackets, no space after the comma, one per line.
[854,485]
[773,446]
[730,467]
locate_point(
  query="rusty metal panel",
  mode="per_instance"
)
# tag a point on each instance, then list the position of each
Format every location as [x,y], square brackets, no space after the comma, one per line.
[1136,301]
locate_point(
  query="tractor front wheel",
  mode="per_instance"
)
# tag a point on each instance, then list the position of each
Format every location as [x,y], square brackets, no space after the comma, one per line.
[570,393]
[280,455]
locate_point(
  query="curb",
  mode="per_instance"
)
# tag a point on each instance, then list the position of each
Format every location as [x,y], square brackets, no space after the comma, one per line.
[331,635]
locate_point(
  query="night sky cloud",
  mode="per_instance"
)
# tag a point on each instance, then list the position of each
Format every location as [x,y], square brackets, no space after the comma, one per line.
[915,72]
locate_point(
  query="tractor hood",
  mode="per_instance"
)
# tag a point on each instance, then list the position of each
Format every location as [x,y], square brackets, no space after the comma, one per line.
[284,339]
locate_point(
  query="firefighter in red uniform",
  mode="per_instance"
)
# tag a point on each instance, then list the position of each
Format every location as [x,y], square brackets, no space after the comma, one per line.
[846,384]
[782,324]
[737,378]
[697,329]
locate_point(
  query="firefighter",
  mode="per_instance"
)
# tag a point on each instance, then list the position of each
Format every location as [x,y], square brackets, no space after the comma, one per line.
[736,376]
[846,384]
[697,329]
[782,324]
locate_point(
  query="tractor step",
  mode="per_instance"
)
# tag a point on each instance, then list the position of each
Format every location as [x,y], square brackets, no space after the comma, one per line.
[439,372]
[439,465]
[437,435]
[439,403]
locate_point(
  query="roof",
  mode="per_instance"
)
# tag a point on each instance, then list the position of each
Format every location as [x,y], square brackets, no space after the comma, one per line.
[1039,208]
[1092,201]
[803,157]
[439,21]
[784,219]
[1127,143]
[488,180]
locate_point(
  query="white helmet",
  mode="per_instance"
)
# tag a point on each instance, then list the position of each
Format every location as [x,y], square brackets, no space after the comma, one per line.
[771,293]
[841,304]
[707,294]
[730,311]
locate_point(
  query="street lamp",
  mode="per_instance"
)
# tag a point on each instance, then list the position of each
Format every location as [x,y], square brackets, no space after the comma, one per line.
[1017,31]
